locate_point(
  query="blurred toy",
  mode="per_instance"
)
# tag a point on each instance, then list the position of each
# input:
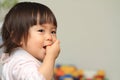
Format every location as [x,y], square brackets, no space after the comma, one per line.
[58,72]
[100,75]
[66,77]
[70,72]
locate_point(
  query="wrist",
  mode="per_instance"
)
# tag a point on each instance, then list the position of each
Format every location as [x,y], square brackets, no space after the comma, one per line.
[49,59]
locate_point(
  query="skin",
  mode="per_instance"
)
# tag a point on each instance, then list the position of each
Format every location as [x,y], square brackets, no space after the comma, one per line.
[43,44]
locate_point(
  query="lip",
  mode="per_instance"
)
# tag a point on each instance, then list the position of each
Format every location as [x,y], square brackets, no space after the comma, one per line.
[48,43]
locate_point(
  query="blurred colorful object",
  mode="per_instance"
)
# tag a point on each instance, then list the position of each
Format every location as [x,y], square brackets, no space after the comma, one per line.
[70,72]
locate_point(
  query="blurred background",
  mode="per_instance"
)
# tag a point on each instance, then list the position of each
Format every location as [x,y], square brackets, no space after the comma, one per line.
[89,31]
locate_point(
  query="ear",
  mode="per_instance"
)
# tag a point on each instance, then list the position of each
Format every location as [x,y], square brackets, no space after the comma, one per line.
[22,42]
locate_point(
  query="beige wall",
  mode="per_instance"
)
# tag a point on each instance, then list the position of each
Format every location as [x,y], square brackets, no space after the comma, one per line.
[89,31]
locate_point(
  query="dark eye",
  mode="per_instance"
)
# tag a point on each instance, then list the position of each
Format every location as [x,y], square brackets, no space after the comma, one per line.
[53,32]
[41,30]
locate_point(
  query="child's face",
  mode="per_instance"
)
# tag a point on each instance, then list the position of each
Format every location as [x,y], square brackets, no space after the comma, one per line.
[39,37]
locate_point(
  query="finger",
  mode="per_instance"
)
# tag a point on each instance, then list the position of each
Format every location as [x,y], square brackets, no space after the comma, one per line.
[57,42]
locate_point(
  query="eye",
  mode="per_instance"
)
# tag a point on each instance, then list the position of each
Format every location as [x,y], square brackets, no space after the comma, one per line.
[53,32]
[41,30]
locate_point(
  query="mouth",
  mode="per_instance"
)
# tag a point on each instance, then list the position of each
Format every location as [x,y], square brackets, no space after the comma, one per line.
[44,47]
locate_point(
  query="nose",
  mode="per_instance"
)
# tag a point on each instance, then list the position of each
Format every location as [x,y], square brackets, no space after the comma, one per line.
[48,37]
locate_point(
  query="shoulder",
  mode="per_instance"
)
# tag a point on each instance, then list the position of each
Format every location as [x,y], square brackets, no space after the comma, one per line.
[21,57]
[22,64]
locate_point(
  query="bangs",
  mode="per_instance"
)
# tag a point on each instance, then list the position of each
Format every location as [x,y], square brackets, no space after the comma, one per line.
[43,17]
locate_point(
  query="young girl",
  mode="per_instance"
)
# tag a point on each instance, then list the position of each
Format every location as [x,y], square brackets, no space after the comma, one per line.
[29,40]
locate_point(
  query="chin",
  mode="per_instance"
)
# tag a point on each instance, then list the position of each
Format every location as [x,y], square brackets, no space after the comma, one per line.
[41,59]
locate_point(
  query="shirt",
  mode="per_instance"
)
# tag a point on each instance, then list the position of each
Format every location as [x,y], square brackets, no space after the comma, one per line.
[21,66]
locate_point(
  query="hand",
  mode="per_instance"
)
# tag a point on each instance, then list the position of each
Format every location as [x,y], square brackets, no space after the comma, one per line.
[53,50]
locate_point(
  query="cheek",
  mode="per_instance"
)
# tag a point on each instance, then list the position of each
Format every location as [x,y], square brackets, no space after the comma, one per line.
[54,38]
[37,41]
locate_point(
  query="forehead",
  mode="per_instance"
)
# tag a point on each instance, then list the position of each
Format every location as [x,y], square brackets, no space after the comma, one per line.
[46,26]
